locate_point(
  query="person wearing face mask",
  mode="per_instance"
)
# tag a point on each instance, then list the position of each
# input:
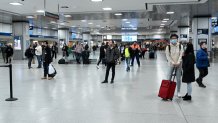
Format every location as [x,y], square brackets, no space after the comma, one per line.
[202,63]
[174,53]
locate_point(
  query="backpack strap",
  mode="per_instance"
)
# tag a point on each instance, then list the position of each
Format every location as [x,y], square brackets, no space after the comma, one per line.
[180,47]
[169,48]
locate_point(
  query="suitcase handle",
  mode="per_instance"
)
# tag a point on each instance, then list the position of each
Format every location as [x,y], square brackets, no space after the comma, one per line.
[173,74]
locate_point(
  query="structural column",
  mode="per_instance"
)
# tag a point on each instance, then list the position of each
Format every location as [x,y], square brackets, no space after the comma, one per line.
[64,35]
[87,38]
[201,28]
[21,39]
[183,33]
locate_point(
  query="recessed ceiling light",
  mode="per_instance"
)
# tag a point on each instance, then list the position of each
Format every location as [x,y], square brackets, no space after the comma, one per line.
[162,24]
[62,24]
[73,26]
[98,25]
[125,19]
[102,27]
[16,4]
[90,23]
[30,17]
[127,22]
[107,9]
[54,28]
[46,27]
[40,11]
[170,13]
[166,19]
[53,22]
[67,16]
[96,0]
[83,20]
[118,14]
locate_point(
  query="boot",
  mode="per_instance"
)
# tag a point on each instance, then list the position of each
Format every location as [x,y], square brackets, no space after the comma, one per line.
[185,95]
[188,98]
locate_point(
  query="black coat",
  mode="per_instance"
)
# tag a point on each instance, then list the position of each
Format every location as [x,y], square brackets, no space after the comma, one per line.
[188,68]
[46,56]
[9,51]
[29,53]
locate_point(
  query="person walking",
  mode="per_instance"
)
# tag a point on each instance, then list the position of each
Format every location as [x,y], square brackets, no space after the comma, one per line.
[102,55]
[38,52]
[136,50]
[54,50]
[127,54]
[29,54]
[65,52]
[78,50]
[9,53]
[46,57]
[3,49]
[112,55]
[174,53]
[188,70]
[202,63]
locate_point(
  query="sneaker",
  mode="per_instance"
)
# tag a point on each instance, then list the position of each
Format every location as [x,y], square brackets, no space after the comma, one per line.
[185,95]
[97,67]
[202,85]
[104,82]
[179,95]
[187,98]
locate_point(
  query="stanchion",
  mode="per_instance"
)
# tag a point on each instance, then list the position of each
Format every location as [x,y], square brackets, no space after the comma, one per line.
[11,83]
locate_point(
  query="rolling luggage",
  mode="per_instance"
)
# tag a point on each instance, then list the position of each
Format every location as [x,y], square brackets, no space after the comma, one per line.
[151,55]
[61,61]
[167,88]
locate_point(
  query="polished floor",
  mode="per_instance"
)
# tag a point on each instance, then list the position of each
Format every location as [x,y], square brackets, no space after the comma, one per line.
[77,96]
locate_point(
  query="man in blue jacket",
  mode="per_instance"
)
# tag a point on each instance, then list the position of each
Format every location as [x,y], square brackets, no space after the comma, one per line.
[202,63]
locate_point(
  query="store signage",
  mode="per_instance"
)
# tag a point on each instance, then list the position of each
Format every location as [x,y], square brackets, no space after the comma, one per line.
[51,15]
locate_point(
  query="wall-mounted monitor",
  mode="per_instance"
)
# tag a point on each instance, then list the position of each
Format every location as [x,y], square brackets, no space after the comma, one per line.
[129,38]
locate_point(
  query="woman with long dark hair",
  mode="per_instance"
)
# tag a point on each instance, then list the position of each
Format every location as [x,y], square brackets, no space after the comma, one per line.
[188,70]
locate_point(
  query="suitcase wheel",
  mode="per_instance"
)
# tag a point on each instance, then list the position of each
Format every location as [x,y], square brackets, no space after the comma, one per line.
[171,99]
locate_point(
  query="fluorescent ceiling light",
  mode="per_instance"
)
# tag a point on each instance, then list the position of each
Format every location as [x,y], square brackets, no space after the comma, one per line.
[73,26]
[162,24]
[169,13]
[125,19]
[54,28]
[166,19]
[107,9]
[90,23]
[118,14]
[96,0]
[102,27]
[40,11]
[127,22]
[98,25]
[16,4]
[83,20]
[46,27]
[62,24]
[53,22]
[67,16]
[30,17]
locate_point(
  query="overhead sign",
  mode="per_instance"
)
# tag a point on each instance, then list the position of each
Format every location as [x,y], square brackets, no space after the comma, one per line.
[52,15]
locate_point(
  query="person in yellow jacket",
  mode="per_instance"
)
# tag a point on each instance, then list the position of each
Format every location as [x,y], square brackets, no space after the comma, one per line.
[127,54]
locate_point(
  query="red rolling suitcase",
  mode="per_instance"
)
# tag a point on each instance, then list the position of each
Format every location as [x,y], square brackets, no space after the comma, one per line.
[168,87]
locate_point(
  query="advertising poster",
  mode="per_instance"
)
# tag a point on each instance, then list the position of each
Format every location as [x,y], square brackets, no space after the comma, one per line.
[17,42]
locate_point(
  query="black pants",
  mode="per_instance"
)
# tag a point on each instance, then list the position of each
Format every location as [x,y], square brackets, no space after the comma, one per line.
[101,59]
[54,54]
[137,58]
[109,66]
[45,66]
[8,58]
[30,61]
[4,56]
[203,72]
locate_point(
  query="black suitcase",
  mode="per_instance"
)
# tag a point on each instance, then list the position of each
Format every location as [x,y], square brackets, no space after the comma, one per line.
[61,61]
[151,55]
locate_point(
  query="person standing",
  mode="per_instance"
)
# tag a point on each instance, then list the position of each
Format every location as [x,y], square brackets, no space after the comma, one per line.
[29,54]
[38,52]
[136,49]
[46,57]
[94,48]
[3,49]
[78,50]
[54,50]
[9,53]
[174,53]
[102,55]
[188,70]
[112,55]
[127,54]
[202,63]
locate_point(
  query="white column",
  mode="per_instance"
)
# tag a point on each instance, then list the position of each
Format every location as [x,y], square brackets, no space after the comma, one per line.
[21,29]
[87,37]
[183,33]
[201,28]
[64,35]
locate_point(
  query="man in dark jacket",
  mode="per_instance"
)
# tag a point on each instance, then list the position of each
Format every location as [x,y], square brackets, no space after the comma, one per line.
[102,55]
[46,58]
[29,54]
[9,53]
[112,55]
[202,63]
[3,49]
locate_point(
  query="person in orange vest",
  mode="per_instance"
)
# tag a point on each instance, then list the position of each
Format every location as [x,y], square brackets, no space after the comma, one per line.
[135,49]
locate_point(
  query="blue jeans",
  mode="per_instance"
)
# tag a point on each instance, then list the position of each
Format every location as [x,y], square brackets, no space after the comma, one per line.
[39,59]
[128,62]
[189,89]
[178,76]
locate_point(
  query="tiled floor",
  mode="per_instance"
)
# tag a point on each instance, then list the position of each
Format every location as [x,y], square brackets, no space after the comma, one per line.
[77,96]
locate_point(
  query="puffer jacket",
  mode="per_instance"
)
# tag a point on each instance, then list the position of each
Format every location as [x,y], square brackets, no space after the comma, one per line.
[112,54]
[202,60]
